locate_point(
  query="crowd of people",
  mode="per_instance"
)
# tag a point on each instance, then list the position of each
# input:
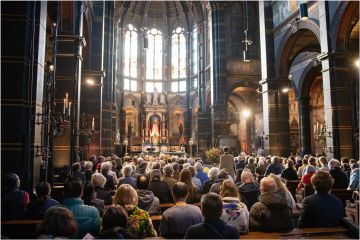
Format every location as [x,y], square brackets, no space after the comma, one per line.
[238,195]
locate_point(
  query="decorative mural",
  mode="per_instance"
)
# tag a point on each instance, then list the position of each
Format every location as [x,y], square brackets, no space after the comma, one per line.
[283,9]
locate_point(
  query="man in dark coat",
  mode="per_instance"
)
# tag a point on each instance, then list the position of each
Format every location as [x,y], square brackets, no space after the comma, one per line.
[341,179]
[271,213]
[159,188]
[321,209]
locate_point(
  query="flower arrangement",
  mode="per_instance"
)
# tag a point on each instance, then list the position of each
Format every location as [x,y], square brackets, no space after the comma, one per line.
[213,155]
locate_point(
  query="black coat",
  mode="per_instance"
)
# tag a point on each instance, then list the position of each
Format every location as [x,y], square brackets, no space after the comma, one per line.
[289,174]
[103,195]
[249,193]
[216,229]
[207,185]
[341,179]
[161,190]
[321,210]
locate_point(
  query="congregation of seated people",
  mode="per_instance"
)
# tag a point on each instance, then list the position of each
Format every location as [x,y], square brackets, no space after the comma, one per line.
[112,197]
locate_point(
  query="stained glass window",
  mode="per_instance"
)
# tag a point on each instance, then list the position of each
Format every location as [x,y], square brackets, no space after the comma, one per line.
[154,60]
[178,59]
[130,57]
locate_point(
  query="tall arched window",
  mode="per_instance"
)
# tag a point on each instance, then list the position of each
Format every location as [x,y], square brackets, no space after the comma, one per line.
[195,57]
[178,60]
[130,58]
[154,60]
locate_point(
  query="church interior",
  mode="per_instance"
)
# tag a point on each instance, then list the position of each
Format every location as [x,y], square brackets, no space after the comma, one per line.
[85,81]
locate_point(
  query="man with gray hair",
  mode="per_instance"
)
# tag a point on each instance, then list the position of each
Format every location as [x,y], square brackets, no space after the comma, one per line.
[248,189]
[212,175]
[167,178]
[127,179]
[341,179]
[272,212]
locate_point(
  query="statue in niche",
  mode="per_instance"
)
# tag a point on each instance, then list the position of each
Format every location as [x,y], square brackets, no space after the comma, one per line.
[117,138]
[148,99]
[162,99]
[156,96]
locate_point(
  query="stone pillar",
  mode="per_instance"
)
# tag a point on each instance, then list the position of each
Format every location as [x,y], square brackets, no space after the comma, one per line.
[275,103]
[218,81]
[304,125]
[68,80]
[337,77]
[23,62]
[108,87]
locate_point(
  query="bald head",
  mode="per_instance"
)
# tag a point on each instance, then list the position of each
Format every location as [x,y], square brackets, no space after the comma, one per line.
[268,184]
[247,177]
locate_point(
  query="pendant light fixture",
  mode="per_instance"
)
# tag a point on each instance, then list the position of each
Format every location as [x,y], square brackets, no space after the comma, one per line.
[246,54]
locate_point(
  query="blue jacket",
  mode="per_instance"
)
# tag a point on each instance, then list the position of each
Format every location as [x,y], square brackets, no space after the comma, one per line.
[202,176]
[87,217]
[274,168]
[321,210]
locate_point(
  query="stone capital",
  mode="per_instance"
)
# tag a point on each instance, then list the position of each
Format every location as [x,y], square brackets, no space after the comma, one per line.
[331,55]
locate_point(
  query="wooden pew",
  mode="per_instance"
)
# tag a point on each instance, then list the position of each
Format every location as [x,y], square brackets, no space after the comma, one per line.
[57,193]
[297,233]
[165,206]
[20,229]
[156,221]
[343,194]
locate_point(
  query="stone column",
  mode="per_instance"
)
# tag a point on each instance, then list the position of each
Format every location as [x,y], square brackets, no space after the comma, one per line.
[336,85]
[23,63]
[275,103]
[304,125]
[218,81]
[108,87]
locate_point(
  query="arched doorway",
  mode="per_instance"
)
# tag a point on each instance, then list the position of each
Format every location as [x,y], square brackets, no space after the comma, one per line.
[317,115]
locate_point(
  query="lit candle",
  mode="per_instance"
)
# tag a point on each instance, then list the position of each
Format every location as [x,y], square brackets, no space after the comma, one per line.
[93,124]
[314,129]
[64,105]
[317,127]
[321,128]
[69,108]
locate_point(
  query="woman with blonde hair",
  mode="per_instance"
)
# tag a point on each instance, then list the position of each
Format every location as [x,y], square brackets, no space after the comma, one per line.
[186,177]
[282,188]
[139,222]
[234,211]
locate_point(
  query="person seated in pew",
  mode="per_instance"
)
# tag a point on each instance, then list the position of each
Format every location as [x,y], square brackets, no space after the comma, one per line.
[222,176]
[272,212]
[105,170]
[177,219]
[127,179]
[200,173]
[167,178]
[147,200]
[159,188]
[212,175]
[321,209]
[99,182]
[309,171]
[58,223]
[282,188]
[13,200]
[139,223]
[249,189]
[76,171]
[37,208]
[354,177]
[212,227]
[341,179]
[289,173]
[89,197]
[87,217]
[234,211]
[194,195]
[114,224]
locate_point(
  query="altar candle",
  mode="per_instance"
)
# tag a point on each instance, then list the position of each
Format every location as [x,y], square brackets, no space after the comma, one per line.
[321,128]
[314,128]
[64,105]
[67,100]
[69,108]
[93,124]
[317,127]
